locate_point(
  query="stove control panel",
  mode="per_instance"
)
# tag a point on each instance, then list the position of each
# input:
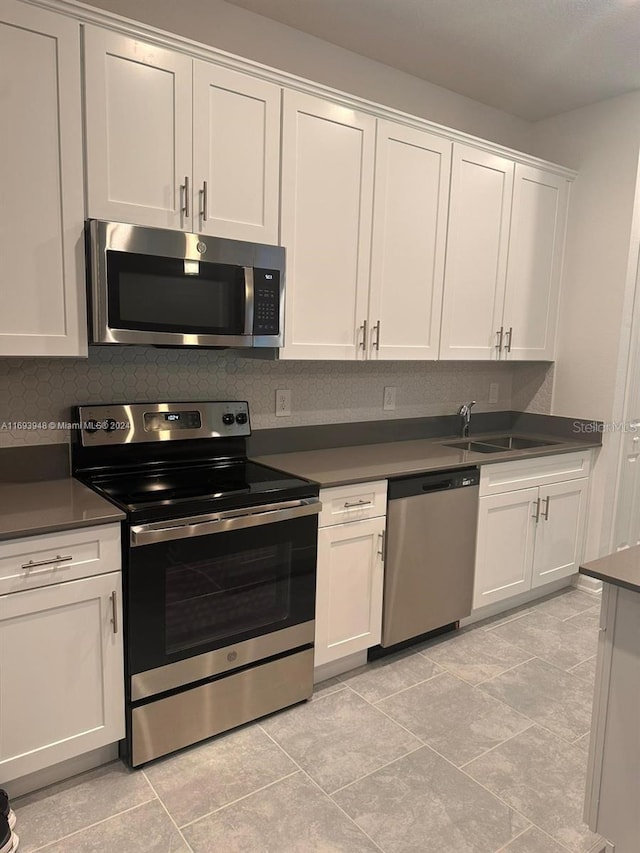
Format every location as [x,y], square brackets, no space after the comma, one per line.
[144,422]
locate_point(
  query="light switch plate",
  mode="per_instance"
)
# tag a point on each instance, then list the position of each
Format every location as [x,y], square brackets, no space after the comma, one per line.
[389,400]
[283,403]
[494,392]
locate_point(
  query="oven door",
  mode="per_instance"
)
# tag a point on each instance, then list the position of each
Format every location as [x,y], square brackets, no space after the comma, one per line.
[210,594]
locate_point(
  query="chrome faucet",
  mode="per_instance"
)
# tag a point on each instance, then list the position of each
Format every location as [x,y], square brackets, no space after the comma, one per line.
[465,413]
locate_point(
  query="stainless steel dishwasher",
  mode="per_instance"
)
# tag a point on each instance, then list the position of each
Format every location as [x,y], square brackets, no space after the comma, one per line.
[430,553]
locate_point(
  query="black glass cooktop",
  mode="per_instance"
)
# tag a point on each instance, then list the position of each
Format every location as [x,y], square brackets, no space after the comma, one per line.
[176,491]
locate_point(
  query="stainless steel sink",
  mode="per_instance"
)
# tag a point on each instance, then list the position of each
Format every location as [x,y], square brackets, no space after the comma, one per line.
[475,446]
[499,443]
[517,442]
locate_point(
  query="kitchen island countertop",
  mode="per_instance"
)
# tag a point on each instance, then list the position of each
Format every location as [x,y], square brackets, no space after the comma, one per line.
[619,569]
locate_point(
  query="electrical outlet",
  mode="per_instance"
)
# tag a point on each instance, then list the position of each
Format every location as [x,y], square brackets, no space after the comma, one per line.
[283,403]
[494,392]
[389,399]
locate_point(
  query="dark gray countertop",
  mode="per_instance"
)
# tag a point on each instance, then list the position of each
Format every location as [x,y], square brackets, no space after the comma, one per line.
[620,569]
[338,466]
[27,509]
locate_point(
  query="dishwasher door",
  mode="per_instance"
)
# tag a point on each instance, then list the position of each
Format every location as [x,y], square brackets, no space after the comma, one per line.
[430,553]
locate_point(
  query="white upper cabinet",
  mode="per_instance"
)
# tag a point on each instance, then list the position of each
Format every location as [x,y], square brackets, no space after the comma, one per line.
[408,249]
[327,198]
[138,131]
[179,143]
[477,247]
[42,210]
[236,154]
[504,259]
[535,263]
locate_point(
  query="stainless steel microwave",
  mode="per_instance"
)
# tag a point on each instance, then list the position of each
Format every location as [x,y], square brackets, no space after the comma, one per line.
[159,287]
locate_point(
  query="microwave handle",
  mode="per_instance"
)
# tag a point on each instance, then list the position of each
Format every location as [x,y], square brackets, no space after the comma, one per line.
[248,300]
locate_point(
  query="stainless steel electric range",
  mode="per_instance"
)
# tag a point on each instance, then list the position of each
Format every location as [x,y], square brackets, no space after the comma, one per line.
[219,564]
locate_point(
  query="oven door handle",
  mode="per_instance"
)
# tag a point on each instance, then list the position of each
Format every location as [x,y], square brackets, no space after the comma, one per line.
[222,522]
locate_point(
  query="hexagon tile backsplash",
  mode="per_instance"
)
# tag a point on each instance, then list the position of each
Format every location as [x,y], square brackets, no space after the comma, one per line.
[36,390]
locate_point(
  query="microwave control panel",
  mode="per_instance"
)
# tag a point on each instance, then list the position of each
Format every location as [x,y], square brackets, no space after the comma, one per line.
[266,302]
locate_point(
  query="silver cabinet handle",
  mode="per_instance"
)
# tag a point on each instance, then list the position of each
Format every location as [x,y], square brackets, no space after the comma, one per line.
[57,559]
[185,189]
[377,340]
[348,505]
[381,537]
[536,515]
[545,511]
[203,201]
[114,611]
[500,336]
[363,342]
[509,339]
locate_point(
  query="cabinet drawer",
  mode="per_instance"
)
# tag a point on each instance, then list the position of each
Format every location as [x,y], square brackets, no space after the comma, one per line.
[353,503]
[527,473]
[55,557]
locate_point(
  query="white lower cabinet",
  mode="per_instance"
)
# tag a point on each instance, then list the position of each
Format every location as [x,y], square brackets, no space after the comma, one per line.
[350,577]
[528,537]
[504,553]
[61,672]
[560,531]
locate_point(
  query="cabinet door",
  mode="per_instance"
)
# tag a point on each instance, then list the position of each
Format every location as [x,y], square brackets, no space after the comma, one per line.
[138,131]
[61,673]
[477,244]
[349,589]
[409,233]
[236,155]
[327,202]
[42,211]
[536,244]
[504,553]
[560,531]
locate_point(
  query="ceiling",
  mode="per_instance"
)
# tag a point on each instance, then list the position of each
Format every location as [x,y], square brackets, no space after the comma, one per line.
[531,58]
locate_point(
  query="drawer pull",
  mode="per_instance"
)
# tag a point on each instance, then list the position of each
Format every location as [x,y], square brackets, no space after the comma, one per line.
[352,504]
[114,611]
[537,512]
[545,511]
[381,537]
[57,559]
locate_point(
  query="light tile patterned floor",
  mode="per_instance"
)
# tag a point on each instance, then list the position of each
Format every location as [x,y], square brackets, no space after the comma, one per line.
[470,743]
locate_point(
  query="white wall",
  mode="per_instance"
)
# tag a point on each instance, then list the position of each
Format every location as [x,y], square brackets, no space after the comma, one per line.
[244,33]
[602,142]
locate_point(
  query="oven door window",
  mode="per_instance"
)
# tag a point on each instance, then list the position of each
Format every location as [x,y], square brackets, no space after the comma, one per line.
[193,595]
[219,597]
[149,293]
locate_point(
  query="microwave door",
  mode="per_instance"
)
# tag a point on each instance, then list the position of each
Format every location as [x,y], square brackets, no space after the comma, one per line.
[178,301]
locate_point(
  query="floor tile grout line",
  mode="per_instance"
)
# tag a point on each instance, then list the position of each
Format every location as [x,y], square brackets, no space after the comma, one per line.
[382,767]
[519,835]
[238,800]
[373,702]
[497,745]
[316,785]
[346,814]
[169,815]
[540,829]
[504,672]
[92,825]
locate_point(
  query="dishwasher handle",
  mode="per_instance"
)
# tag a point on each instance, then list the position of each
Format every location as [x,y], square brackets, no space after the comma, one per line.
[438,487]
[439,481]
